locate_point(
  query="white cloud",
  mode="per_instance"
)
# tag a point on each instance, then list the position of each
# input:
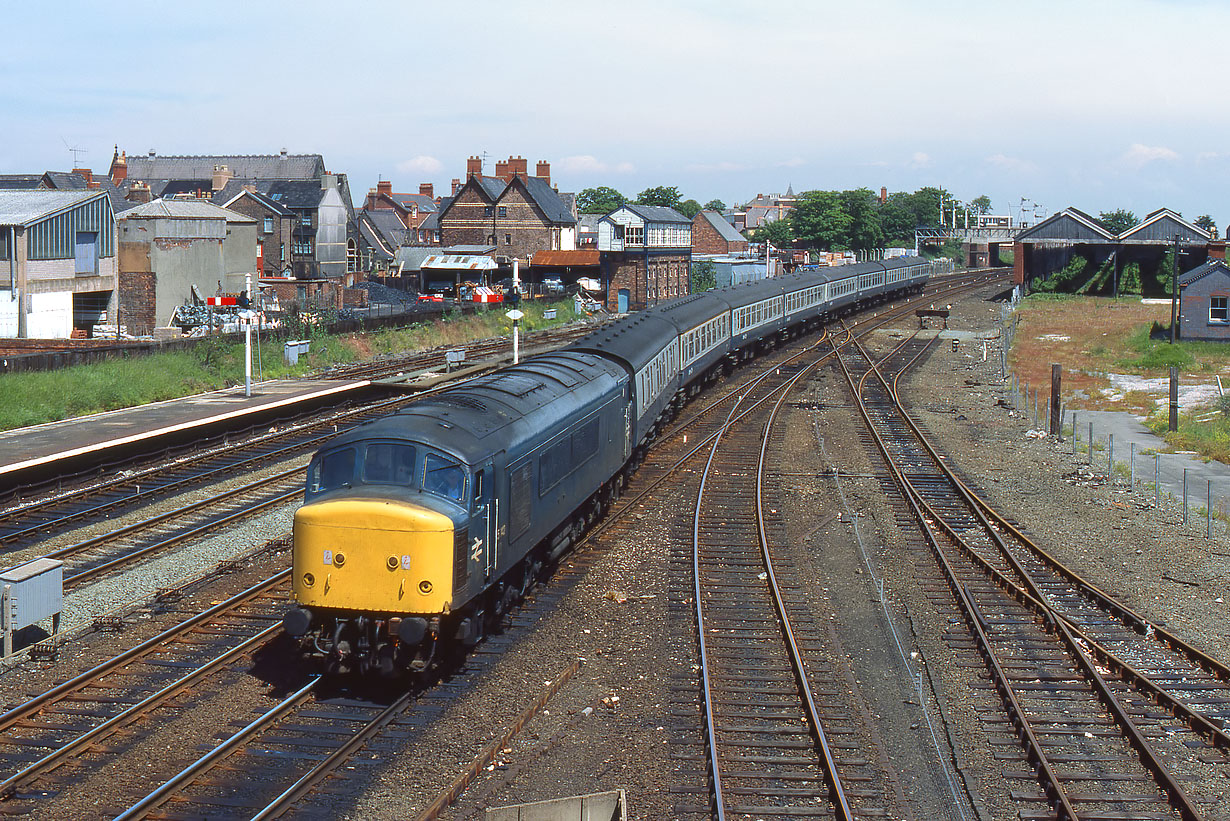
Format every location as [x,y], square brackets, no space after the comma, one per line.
[921,160]
[1140,155]
[1011,164]
[422,165]
[793,162]
[589,164]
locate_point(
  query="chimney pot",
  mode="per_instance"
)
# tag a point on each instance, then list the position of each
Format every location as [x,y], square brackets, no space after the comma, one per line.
[152,154]
[283,153]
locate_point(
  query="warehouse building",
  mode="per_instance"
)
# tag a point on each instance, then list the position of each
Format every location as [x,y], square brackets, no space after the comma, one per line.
[58,257]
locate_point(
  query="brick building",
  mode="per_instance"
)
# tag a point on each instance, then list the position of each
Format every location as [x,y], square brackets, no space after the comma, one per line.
[518,213]
[1204,302]
[712,234]
[646,253]
[275,225]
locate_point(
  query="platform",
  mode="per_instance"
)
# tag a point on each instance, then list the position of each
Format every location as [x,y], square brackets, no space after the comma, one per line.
[42,452]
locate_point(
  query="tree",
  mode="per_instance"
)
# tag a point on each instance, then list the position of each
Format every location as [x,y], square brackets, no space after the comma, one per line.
[689,208]
[659,195]
[704,276]
[820,221]
[898,221]
[600,200]
[980,205]
[865,230]
[777,233]
[715,205]
[1117,221]
[1206,222]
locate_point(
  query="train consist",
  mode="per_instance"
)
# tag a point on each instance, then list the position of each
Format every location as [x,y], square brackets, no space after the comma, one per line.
[421,528]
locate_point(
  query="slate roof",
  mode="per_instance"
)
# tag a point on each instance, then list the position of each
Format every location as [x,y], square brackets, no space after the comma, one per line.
[26,207]
[424,202]
[1069,225]
[1201,271]
[20,182]
[66,181]
[549,200]
[658,213]
[383,230]
[253,166]
[222,199]
[724,228]
[185,209]
[295,193]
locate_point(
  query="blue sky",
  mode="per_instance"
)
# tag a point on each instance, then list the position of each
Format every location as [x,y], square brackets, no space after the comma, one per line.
[1094,104]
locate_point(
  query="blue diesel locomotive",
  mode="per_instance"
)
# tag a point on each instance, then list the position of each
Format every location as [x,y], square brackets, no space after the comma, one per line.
[422,527]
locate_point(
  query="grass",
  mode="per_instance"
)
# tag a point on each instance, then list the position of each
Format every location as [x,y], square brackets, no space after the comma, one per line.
[1093,337]
[31,398]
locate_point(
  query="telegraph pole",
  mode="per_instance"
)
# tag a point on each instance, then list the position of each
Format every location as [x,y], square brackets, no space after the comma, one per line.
[1174,292]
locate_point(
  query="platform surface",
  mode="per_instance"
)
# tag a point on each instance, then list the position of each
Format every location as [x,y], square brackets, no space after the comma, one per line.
[23,448]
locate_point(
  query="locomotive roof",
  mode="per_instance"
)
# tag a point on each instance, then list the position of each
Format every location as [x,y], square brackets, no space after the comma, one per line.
[635,339]
[499,410]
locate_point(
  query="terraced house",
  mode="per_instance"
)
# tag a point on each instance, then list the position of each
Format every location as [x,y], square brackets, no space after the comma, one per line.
[518,213]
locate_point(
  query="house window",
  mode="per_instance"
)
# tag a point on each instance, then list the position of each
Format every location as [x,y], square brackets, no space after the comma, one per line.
[503,211]
[303,247]
[268,225]
[301,293]
[1218,310]
[352,256]
[508,239]
[488,210]
[306,220]
[634,235]
[282,250]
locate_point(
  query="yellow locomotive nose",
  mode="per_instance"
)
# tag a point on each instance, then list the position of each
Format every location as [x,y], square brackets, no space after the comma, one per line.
[374,556]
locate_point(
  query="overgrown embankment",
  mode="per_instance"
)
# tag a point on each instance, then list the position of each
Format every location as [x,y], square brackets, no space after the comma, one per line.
[31,398]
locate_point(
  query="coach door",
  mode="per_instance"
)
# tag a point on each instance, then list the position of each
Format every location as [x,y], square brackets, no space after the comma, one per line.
[484,521]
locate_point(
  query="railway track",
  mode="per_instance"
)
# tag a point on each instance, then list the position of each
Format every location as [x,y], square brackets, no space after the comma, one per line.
[1078,677]
[43,734]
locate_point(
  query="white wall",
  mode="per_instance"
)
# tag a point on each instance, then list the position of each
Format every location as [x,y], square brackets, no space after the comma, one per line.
[8,315]
[51,316]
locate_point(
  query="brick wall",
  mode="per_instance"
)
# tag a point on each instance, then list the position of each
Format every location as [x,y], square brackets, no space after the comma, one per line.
[466,223]
[707,240]
[137,301]
[648,282]
[354,298]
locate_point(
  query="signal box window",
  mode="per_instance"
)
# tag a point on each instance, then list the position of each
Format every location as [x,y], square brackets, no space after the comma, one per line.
[1218,311]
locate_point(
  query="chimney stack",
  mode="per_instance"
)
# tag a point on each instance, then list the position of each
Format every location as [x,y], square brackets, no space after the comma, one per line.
[518,167]
[474,167]
[883,195]
[222,175]
[544,171]
[426,189]
[384,187]
[456,186]
[86,173]
[501,170]
[138,193]
[119,166]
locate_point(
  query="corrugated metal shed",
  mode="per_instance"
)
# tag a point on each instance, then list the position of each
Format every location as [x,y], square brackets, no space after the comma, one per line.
[27,207]
[184,209]
[460,262]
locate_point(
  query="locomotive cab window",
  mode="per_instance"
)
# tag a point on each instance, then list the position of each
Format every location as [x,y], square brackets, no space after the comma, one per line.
[445,478]
[332,471]
[388,463]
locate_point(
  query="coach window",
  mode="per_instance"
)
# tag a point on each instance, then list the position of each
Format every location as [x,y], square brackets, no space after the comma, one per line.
[1218,310]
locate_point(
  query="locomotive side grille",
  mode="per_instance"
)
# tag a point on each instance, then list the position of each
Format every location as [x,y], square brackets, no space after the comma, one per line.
[461,557]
